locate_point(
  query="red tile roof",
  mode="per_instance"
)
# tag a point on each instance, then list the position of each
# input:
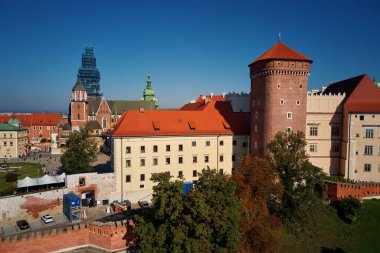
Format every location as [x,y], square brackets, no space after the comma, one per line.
[214,118]
[34,119]
[280,51]
[201,98]
[362,94]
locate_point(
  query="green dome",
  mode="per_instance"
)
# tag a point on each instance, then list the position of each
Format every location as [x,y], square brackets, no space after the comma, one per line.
[14,121]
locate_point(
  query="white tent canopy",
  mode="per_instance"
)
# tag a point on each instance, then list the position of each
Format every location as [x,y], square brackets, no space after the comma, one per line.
[45,180]
[27,182]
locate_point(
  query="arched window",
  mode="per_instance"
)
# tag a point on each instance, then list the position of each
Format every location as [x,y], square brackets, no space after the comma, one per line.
[104,123]
[78,116]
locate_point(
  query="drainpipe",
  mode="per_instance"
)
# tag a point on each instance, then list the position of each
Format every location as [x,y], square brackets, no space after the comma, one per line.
[121,168]
[349,146]
[217,153]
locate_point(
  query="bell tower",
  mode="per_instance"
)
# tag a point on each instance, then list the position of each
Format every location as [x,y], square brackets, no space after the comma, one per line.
[279,80]
[78,105]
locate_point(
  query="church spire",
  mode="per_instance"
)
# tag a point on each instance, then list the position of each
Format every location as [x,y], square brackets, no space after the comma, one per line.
[148,93]
[148,81]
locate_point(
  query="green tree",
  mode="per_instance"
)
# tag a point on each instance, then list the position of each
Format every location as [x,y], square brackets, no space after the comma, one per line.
[299,178]
[259,190]
[204,220]
[81,151]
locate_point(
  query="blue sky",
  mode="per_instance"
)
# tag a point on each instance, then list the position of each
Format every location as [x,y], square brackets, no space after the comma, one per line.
[191,47]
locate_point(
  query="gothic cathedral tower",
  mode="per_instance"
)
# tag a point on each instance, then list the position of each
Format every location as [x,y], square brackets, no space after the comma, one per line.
[279,81]
[78,105]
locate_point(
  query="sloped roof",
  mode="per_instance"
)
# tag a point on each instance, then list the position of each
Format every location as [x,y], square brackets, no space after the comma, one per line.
[213,98]
[34,119]
[78,85]
[120,106]
[215,118]
[93,106]
[94,125]
[9,127]
[362,94]
[280,51]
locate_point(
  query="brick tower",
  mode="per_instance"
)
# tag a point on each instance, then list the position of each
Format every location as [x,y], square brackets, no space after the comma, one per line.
[78,105]
[279,80]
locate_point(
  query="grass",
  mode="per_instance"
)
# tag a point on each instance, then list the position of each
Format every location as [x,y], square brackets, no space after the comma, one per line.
[323,231]
[23,170]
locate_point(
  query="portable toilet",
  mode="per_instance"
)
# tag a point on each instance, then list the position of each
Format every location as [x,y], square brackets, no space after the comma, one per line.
[187,186]
[71,206]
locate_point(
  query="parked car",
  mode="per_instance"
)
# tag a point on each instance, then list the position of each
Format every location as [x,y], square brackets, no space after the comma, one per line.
[47,218]
[22,224]
[143,204]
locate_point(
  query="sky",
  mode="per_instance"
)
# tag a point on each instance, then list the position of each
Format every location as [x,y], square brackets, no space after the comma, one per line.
[191,47]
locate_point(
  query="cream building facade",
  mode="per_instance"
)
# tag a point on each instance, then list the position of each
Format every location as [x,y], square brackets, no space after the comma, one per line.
[324,130]
[13,141]
[182,142]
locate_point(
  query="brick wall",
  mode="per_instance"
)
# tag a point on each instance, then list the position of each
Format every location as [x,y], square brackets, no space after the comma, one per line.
[337,191]
[109,236]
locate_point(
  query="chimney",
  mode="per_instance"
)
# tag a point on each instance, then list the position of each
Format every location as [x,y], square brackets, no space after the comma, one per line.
[211,95]
[141,110]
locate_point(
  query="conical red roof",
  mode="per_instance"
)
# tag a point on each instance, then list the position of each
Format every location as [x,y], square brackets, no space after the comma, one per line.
[280,51]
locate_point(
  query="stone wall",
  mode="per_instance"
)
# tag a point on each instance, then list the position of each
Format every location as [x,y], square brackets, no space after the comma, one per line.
[337,190]
[114,236]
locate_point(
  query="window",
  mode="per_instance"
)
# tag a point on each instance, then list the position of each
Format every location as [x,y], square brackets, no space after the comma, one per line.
[335,131]
[180,160]
[34,128]
[368,150]
[142,149]
[167,148]
[128,178]
[194,173]
[155,149]
[141,186]
[206,158]
[10,135]
[313,148]
[128,163]
[5,143]
[167,160]
[282,101]
[298,102]
[361,117]
[40,128]
[180,173]
[221,171]
[288,129]
[300,86]
[289,115]
[142,177]
[335,148]
[367,167]
[255,128]
[128,150]
[221,158]
[82,181]
[256,115]
[278,86]
[244,144]
[180,147]
[155,161]
[234,142]
[194,144]
[142,162]
[369,133]
[207,143]
[5,135]
[195,159]
[313,131]
[233,157]
[255,144]
[11,143]
[221,143]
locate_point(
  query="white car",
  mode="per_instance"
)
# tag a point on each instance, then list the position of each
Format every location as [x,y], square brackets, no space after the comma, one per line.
[47,218]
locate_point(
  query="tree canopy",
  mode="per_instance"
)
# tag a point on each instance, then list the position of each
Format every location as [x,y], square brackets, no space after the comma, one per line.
[259,191]
[299,178]
[206,219]
[81,151]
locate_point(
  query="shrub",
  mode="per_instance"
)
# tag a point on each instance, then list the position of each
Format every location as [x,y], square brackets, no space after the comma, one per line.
[348,209]
[11,177]
[43,140]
